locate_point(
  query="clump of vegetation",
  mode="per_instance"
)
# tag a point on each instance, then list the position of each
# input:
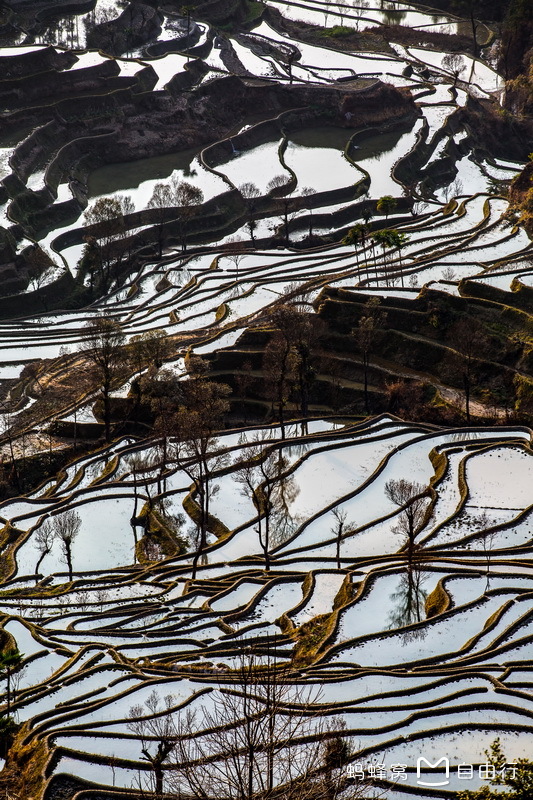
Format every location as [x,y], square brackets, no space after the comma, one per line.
[310,635]
[519,780]
[438,601]
[338,30]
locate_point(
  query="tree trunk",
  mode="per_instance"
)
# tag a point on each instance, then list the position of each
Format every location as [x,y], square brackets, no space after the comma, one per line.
[266,547]
[106,390]
[158,778]
[40,561]
[365,368]
[304,383]
[466,383]
[474,31]
[69,562]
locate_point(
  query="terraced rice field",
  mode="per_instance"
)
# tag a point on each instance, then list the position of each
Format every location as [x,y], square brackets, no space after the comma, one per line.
[421,652]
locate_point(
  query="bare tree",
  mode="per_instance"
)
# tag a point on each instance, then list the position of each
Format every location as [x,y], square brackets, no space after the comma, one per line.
[250,193]
[186,197]
[454,189]
[66,528]
[262,476]
[454,63]
[339,529]
[412,500]
[158,731]
[106,241]
[371,322]
[44,541]
[409,601]
[470,342]
[196,424]
[161,199]
[262,737]
[103,346]
[238,251]
[300,332]
[178,193]
[278,188]
[280,367]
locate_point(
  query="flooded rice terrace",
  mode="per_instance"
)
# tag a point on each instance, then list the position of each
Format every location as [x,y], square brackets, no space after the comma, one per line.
[303,556]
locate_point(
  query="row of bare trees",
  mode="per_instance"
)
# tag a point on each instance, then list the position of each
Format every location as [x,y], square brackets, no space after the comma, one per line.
[291,204]
[62,528]
[257,736]
[288,366]
[108,243]
[264,477]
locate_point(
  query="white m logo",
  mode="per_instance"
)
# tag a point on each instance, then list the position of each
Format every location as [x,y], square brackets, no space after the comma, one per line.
[445,761]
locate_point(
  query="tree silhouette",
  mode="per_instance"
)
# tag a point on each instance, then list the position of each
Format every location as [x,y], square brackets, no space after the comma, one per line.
[339,529]
[66,527]
[10,662]
[250,193]
[103,346]
[278,187]
[469,341]
[161,199]
[355,237]
[186,197]
[259,738]
[386,205]
[454,63]
[195,424]
[44,541]
[366,334]
[280,368]
[412,500]
[261,474]
[106,240]
[158,732]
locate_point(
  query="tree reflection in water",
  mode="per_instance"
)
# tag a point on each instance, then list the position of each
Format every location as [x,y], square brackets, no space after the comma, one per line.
[409,603]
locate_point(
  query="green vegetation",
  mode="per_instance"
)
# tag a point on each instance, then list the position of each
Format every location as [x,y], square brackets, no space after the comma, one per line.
[337,31]
[10,662]
[517,784]
[386,205]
